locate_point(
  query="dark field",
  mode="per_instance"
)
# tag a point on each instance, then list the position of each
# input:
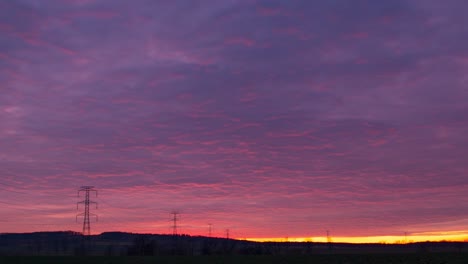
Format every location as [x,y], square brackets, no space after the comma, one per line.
[117,247]
[432,258]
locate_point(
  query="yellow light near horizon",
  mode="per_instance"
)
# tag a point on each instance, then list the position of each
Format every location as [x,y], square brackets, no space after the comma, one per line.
[434,237]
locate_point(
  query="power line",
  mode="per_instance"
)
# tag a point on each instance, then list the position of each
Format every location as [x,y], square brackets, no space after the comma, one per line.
[86,213]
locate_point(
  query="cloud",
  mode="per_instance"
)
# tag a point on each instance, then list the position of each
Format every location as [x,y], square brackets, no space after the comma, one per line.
[269,117]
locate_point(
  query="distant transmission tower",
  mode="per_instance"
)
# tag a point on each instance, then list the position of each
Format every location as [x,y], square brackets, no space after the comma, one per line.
[329,240]
[227,233]
[174,222]
[86,213]
[209,229]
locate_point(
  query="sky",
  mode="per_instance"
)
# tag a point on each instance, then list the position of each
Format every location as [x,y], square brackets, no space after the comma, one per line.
[273,119]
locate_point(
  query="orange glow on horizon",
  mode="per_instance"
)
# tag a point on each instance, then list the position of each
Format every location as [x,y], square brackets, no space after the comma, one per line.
[455,236]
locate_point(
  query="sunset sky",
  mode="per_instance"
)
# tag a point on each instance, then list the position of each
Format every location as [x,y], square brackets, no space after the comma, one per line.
[272,119]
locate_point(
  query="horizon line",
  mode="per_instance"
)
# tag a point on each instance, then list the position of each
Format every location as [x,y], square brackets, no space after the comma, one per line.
[385,239]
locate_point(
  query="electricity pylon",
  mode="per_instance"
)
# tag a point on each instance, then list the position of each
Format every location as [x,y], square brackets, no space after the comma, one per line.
[86,213]
[174,222]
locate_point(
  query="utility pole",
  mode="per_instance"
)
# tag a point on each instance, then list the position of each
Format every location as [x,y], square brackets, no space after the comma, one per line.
[86,213]
[174,223]
[227,233]
[209,230]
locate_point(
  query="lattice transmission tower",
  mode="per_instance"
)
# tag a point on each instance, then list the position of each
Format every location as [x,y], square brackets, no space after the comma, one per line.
[174,222]
[86,222]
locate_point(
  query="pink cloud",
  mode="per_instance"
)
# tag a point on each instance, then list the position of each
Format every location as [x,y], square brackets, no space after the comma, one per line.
[265,11]
[240,41]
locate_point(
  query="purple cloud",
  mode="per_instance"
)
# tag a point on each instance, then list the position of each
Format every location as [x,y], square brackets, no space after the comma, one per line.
[267,117]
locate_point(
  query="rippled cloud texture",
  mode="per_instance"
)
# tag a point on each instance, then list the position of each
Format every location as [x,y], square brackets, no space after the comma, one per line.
[271,118]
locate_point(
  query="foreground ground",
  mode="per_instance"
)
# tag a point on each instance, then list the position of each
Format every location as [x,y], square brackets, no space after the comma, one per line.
[427,258]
